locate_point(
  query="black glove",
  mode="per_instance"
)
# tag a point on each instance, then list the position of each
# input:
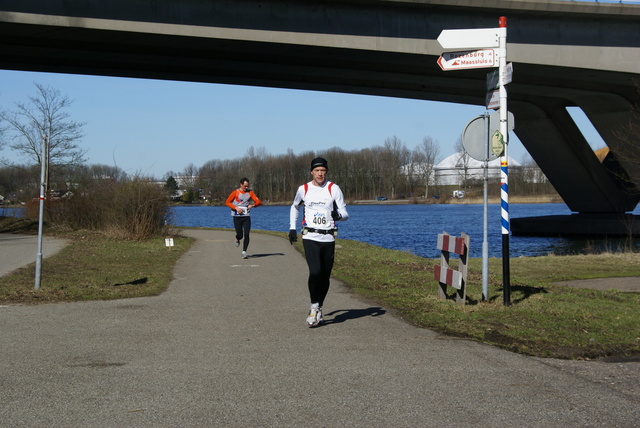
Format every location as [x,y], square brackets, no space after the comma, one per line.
[335,215]
[293,237]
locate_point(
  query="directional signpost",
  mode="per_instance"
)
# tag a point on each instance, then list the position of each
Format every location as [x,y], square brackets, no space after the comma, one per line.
[493,77]
[492,100]
[477,45]
[468,59]
[477,38]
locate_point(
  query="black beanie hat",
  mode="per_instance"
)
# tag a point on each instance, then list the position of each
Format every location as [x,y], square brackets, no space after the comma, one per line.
[319,162]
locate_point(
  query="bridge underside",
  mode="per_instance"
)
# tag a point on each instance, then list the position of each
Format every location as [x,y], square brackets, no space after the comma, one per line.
[383,48]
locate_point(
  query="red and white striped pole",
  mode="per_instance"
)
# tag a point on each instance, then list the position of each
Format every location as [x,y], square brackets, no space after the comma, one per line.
[504,161]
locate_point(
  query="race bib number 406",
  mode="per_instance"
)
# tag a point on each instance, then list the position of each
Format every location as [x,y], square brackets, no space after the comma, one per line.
[320,219]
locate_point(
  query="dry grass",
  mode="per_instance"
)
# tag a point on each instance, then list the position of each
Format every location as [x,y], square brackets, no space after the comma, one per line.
[541,199]
[95,266]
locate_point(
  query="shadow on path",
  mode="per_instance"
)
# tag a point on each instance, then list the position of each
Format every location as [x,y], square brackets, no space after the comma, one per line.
[351,314]
[255,256]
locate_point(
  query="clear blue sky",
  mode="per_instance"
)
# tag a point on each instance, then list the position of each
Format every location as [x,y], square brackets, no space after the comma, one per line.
[152,127]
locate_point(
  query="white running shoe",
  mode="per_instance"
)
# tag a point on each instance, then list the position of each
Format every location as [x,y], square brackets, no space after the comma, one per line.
[244,255]
[237,243]
[315,316]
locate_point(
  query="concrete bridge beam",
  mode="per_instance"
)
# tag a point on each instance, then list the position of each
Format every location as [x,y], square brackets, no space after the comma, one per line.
[556,144]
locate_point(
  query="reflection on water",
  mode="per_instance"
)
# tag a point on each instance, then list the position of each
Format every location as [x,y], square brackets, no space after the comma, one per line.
[414,228]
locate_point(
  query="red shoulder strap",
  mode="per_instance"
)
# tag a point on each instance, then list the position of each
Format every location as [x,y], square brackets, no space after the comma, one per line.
[306,187]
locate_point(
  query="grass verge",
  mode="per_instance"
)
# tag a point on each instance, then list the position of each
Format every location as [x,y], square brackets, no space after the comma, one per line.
[95,267]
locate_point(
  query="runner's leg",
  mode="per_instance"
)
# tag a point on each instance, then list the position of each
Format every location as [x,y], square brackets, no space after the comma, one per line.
[326,259]
[246,225]
[319,256]
[237,223]
[312,255]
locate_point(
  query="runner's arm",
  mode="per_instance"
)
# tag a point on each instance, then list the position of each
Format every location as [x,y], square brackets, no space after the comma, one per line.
[256,201]
[229,201]
[295,209]
[340,204]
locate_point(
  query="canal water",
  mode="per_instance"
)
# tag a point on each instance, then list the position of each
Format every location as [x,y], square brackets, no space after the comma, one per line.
[414,227]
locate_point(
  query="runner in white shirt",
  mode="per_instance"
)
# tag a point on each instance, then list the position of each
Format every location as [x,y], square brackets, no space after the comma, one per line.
[323,206]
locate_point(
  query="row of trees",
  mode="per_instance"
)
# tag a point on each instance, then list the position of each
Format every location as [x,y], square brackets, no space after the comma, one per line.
[390,170]
[362,174]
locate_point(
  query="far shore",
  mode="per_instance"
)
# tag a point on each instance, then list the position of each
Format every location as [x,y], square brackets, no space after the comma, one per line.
[470,200]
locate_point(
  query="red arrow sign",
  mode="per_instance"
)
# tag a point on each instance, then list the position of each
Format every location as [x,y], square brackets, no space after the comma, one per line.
[482,58]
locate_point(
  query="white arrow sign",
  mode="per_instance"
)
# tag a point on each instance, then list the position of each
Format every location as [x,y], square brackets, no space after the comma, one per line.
[468,59]
[469,39]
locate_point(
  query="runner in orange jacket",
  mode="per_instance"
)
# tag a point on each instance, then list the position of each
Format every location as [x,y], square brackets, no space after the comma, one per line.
[241,201]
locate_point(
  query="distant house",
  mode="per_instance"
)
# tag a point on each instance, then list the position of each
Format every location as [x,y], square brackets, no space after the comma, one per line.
[205,194]
[453,169]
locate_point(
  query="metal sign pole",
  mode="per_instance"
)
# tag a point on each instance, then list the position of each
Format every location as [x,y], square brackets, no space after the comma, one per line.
[485,219]
[504,162]
[43,164]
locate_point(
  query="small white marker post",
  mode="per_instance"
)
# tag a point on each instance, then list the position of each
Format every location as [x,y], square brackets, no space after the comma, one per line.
[169,243]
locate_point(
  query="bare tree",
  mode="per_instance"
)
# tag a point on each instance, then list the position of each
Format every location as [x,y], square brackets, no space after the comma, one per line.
[3,130]
[425,157]
[189,177]
[395,156]
[45,115]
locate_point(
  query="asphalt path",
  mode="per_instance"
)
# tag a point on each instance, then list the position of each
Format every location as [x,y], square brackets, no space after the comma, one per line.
[19,250]
[227,346]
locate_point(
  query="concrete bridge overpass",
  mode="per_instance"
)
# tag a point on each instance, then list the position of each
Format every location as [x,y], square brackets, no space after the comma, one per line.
[565,53]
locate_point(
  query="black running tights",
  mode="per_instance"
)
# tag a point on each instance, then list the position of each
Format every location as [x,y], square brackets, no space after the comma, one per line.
[319,257]
[242,224]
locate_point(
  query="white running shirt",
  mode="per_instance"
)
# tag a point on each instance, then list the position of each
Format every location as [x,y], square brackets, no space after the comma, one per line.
[318,204]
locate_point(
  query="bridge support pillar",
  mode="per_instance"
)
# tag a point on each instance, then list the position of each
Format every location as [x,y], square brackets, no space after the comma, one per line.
[578,225]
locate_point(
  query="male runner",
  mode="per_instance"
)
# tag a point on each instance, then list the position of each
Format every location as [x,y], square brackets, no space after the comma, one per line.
[323,206]
[241,201]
